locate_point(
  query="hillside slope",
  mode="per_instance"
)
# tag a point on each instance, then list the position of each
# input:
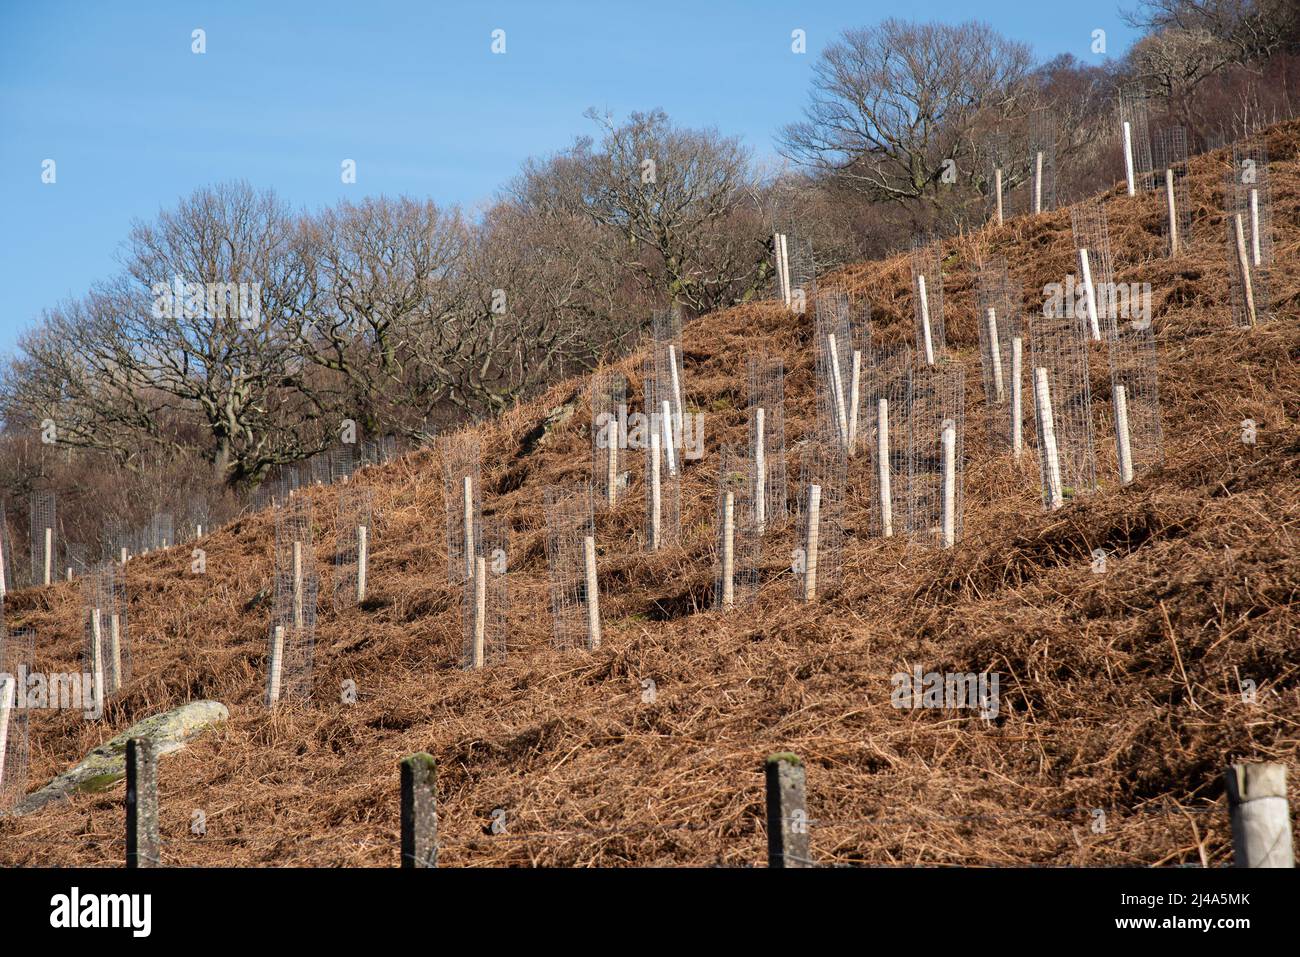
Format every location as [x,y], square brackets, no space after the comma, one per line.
[1119,691]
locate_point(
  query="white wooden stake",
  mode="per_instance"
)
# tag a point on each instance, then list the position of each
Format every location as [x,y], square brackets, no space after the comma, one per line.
[124,556]
[1243,265]
[1089,295]
[593,595]
[855,377]
[670,448]
[760,469]
[1261,819]
[276,666]
[1254,229]
[1122,441]
[677,390]
[69,570]
[8,699]
[1038,182]
[49,555]
[776,263]
[810,553]
[728,550]
[1128,159]
[1017,398]
[997,190]
[363,560]
[97,655]
[115,649]
[1047,438]
[480,609]
[611,465]
[656,492]
[882,468]
[995,353]
[468,487]
[925,319]
[948,440]
[785,272]
[299,616]
[837,389]
[1172,203]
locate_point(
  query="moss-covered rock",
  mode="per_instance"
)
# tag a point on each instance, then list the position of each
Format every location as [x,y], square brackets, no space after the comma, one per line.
[106,765]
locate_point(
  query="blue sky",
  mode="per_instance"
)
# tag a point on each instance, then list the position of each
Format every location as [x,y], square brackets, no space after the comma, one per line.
[411,91]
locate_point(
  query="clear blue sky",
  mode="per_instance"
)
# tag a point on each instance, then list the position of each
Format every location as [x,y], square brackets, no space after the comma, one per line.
[410,90]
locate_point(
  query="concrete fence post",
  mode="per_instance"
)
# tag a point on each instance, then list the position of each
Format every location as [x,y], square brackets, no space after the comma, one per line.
[1261,819]
[419,774]
[142,841]
[787,812]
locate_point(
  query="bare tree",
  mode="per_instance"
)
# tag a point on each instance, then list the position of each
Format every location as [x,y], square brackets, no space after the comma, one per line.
[675,198]
[892,105]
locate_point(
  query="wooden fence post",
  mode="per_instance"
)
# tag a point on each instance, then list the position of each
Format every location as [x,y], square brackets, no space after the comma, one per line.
[142,843]
[419,810]
[787,812]
[1261,820]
